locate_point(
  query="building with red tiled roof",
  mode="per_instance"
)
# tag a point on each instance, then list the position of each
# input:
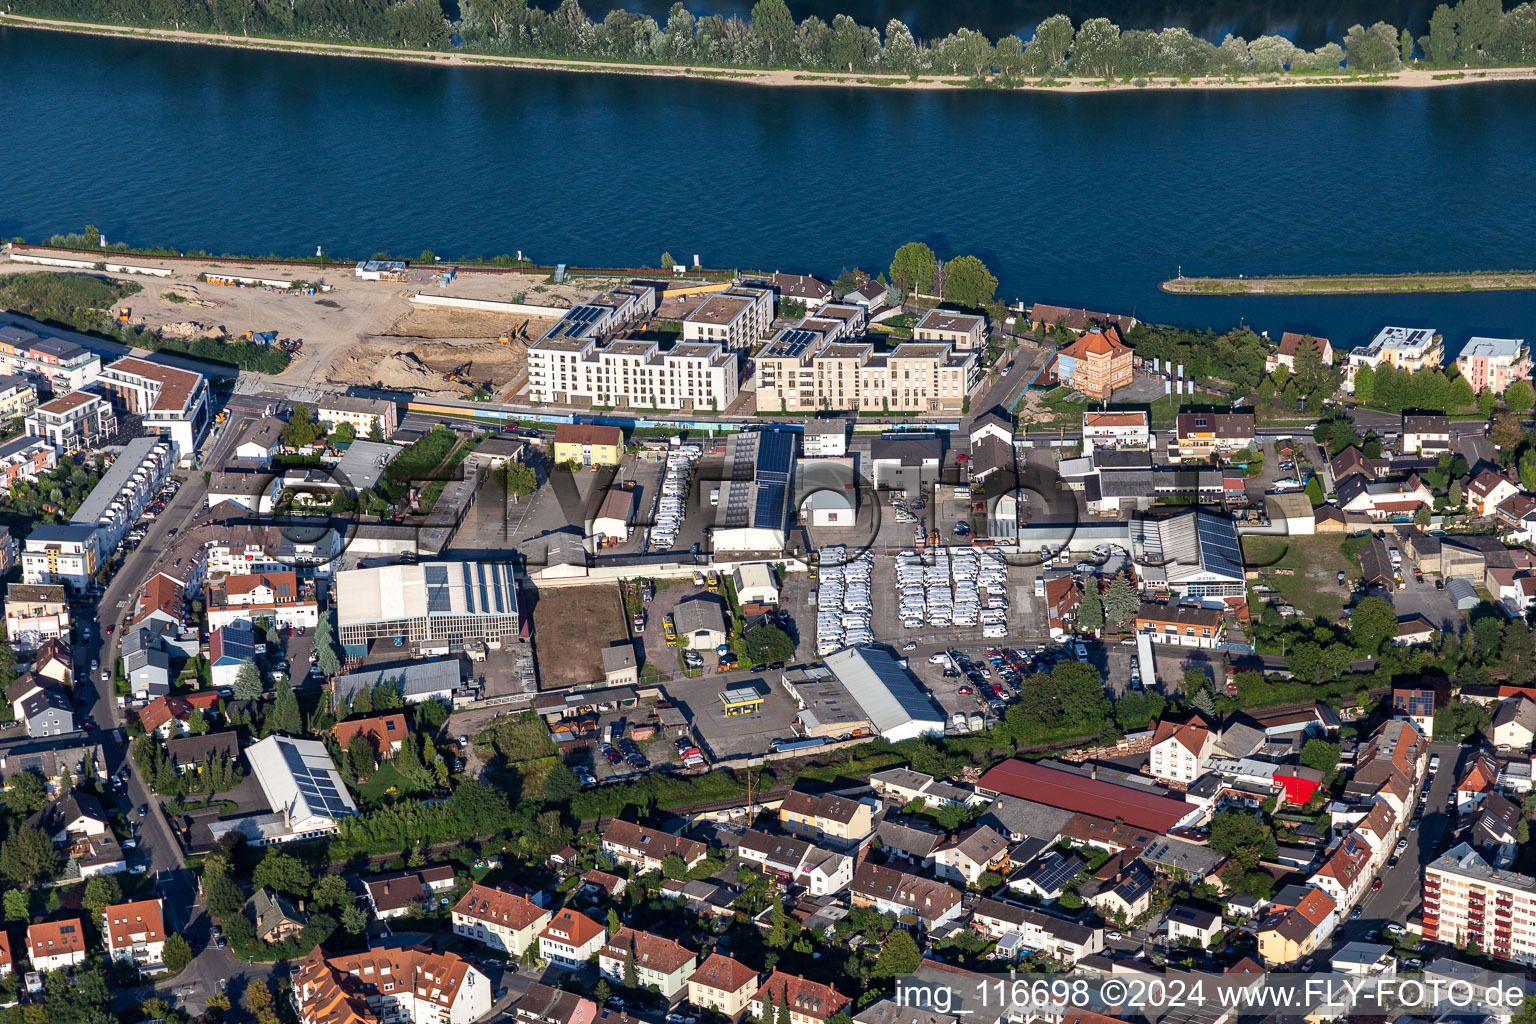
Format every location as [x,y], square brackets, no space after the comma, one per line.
[135,933]
[723,985]
[1290,342]
[163,598]
[1180,750]
[412,985]
[809,1002]
[570,939]
[1096,364]
[273,597]
[385,732]
[656,960]
[499,919]
[7,961]
[1344,875]
[588,444]
[646,848]
[55,944]
[1080,794]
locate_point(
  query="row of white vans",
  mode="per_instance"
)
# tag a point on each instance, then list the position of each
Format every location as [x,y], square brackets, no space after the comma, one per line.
[947,591]
[843,602]
[674,495]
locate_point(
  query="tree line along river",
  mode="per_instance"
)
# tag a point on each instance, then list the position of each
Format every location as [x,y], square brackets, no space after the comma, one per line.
[1077,199]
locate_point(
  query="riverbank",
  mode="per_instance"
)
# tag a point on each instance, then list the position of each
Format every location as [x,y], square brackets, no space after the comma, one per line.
[1409,78]
[1356,284]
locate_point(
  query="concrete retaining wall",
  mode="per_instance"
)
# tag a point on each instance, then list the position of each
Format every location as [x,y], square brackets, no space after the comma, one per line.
[116,268]
[486,305]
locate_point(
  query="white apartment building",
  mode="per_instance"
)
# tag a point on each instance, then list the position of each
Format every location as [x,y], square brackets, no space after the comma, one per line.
[501,920]
[60,554]
[412,985]
[63,364]
[1466,900]
[633,374]
[52,945]
[127,489]
[799,372]
[135,933]
[570,939]
[1403,348]
[171,402]
[1116,430]
[362,414]
[1180,751]
[732,319]
[79,419]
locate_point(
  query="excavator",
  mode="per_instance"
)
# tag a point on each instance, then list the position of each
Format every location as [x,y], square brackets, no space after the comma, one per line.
[519,332]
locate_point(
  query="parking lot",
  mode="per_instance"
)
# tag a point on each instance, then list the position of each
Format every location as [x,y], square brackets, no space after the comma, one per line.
[1423,599]
[725,736]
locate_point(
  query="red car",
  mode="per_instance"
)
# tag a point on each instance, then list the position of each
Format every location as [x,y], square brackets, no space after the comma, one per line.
[110,628]
[1376,885]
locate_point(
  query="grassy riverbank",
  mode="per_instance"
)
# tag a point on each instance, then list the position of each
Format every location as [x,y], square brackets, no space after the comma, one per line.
[1355,284]
[1060,83]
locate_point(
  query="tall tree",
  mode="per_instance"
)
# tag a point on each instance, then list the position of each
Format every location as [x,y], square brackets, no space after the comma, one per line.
[775,27]
[1520,397]
[28,856]
[1120,601]
[913,268]
[1053,37]
[248,684]
[1090,613]
[285,712]
[1440,44]
[968,282]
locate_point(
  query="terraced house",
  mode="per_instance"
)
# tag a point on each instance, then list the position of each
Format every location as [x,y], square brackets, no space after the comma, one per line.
[826,817]
[655,961]
[646,848]
[913,899]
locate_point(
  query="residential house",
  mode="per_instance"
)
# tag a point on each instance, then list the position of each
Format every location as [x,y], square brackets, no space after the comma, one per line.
[1345,875]
[809,1002]
[1097,363]
[54,661]
[1180,750]
[1285,354]
[1043,316]
[913,899]
[1116,430]
[402,892]
[1202,434]
[1192,925]
[1480,780]
[909,839]
[384,732]
[1414,631]
[588,444]
[1383,499]
[970,855]
[1487,489]
[701,618]
[723,985]
[827,816]
[646,848]
[410,985]
[52,945]
[44,710]
[570,939]
[1183,625]
[1294,928]
[1048,877]
[1058,937]
[656,961]
[35,613]
[1514,725]
[811,292]
[1493,364]
[506,921]
[1426,432]
[547,1004]
[821,871]
[229,648]
[267,597]
[191,753]
[369,416]
[1124,896]
[961,331]
[1496,830]
[135,933]
[275,916]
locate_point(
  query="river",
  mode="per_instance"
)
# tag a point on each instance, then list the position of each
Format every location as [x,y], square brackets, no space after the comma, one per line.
[1070,199]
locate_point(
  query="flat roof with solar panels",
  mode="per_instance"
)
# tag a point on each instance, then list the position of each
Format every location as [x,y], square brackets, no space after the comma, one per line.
[578,327]
[452,602]
[792,343]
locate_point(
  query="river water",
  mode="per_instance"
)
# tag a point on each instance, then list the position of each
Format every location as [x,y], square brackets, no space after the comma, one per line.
[1070,199]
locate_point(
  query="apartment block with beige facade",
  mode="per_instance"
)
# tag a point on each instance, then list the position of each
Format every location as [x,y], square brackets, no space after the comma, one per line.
[501,920]
[961,331]
[800,372]
[658,961]
[826,817]
[732,319]
[723,985]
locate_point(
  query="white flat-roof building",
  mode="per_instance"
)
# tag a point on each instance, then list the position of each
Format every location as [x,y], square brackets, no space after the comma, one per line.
[61,554]
[171,402]
[634,374]
[1403,348]
[732,319]
[63,364]
[79,419]
[434,607]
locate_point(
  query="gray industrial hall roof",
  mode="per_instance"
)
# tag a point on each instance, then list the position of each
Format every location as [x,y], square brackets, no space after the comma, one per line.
[1198,542]
[888,693]
[413,680]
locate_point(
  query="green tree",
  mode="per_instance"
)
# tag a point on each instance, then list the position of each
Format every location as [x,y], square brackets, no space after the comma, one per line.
[560,785]
[283,872]
[354,919]
[1440,44]
[1421,516]
[1321,755]
[667,262]
[898,956]
[345,433]
[197,722]
[177,953]
[614,924]
[101,891]
[782,1017]
[602,992]
[27,794]
[775,27]
[968,282]
[521,480]
[1315,492]
[1372,623]
[1090,613]
[1053,37]
[1202,701]
[301,429]
[248,684]
[913,268]
[1453,494]
[1405,47]
[1120,601]
[17,905]
[1519,397]
[673,867]
[631,973]
[285,712]
[332,892]
[28,856]
[767,644]
[1365,385]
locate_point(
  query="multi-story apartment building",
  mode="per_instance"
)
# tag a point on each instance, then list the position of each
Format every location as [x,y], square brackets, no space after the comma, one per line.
[501,920]
[79,419]
[1180,751]
[271,597]
[1493,364]
[135,933]
[1063,938]
[18,396]
[1116,430]
[25,458]
[1199,434]
[809,1002]
[60,554]
[634,374]
[1096,364]
[1428,432]
[63,365]
[171,402]
[732,319]
[801,372]
[570,939]
[55,944]
[960,331]
[365,415]
[826,816]
[1183,625]
[122,495]
[657,961]
[34,614]
[646,848]
[1403,348]
[1468,900]
[412,985]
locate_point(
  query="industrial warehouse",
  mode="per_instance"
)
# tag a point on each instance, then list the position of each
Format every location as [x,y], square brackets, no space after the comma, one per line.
[437,608]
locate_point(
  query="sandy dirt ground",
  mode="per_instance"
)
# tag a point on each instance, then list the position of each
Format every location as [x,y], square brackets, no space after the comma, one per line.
[1412,78]
[571,626]
[358,332]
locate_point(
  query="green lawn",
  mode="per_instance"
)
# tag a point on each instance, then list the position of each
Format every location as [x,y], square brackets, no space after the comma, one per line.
[1311,587]
[375,789]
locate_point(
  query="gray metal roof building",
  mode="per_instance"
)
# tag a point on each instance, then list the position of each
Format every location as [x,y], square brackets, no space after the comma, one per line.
[889,695]
[429,680]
